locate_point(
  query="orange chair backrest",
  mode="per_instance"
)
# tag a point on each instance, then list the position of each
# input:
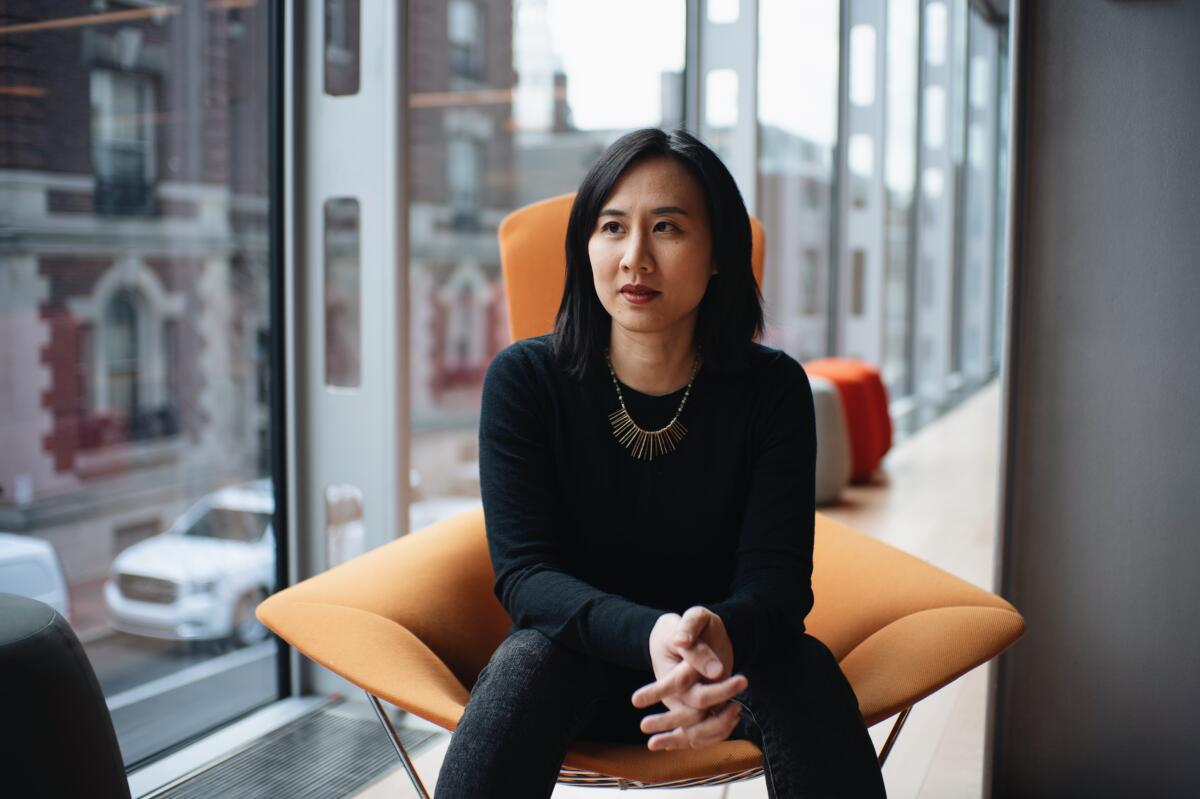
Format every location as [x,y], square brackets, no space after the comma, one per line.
[533,261]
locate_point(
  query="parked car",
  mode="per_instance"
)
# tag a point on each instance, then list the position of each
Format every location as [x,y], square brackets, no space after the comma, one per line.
[30,567]
[202,578]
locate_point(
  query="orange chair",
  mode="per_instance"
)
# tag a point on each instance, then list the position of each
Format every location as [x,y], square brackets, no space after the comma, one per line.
[865,401]
[414,621]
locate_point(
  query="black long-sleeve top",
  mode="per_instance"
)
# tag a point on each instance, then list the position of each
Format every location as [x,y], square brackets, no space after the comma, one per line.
[591,545]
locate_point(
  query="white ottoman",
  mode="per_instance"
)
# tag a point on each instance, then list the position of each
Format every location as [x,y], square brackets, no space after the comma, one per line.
[834,458]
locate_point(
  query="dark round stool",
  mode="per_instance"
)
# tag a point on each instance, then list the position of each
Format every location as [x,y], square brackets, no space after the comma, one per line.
[58,737]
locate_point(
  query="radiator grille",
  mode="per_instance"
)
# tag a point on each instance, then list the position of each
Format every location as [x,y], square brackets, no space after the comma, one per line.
[147,589]
[325,755]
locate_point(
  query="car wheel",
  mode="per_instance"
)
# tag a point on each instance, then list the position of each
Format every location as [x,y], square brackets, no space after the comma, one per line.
[247,629]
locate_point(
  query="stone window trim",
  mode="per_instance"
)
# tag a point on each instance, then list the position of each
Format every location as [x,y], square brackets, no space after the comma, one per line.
[157,307]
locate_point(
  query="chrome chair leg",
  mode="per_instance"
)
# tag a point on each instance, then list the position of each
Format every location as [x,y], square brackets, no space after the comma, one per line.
[895,733]
[395,736]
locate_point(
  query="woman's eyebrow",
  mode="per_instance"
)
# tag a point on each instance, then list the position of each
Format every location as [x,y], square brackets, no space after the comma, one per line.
[666,209]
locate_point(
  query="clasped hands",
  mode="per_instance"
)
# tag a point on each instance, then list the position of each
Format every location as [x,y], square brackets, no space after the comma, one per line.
[693,668]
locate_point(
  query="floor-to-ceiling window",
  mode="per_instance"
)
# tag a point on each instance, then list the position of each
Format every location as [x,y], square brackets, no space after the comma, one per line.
[136,383]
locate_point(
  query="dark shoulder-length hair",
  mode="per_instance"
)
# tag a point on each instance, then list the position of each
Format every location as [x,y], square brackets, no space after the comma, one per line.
[730,316]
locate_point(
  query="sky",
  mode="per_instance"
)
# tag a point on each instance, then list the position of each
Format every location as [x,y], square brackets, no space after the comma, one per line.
[615,52]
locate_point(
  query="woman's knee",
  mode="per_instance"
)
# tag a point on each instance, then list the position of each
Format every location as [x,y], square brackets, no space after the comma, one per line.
[806,667]
[531,658]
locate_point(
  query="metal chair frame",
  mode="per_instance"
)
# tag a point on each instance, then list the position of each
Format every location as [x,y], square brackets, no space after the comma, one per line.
[590,779]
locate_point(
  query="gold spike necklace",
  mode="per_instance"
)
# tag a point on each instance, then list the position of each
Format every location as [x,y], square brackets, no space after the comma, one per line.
[642,443]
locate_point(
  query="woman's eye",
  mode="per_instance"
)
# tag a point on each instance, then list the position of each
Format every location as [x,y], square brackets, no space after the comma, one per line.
[665,225]
[610,227]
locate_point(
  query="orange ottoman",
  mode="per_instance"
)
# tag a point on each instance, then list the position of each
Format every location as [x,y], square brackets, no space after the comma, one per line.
[865,401]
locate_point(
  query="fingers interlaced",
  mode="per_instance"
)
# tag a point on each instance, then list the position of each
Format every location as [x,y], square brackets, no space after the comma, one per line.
[696,690]
[677,681]
[683,682]
[710,730]
[702,658]
[683,716]
[692,625]
[705,695]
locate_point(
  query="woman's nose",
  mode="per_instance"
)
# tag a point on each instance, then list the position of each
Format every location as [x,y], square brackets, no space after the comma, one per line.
[637,254]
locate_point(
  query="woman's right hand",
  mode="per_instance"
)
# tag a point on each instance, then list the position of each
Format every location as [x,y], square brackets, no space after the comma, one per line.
[699,712]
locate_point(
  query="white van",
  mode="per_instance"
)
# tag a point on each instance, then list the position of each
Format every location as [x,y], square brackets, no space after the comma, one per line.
[30,567]
[202,578]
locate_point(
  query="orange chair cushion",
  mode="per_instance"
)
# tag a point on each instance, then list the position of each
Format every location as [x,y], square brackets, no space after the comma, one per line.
[865,401]
[414,621]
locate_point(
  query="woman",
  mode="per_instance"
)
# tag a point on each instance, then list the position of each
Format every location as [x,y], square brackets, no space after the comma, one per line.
[647,472]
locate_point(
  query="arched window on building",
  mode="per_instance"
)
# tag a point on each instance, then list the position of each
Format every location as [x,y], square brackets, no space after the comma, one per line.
[133,346]
[121,351]
[137,382]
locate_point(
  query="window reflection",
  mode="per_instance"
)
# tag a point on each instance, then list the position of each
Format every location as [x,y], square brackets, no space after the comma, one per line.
[860,159]
[343,302]
[723,12]
[342,21]
[858,269]
[936,33]
[862,65]
[345,536]
[721,99]
[935,117]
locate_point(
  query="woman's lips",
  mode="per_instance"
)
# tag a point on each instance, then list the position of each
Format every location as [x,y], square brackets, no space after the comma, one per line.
[639,298]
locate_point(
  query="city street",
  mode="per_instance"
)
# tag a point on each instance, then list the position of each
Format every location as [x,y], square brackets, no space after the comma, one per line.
[122,661]
[169,691]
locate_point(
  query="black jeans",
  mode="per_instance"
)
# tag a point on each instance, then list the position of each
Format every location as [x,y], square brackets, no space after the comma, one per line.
[535,697]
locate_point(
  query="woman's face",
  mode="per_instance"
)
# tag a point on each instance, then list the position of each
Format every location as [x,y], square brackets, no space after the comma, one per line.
[653,233]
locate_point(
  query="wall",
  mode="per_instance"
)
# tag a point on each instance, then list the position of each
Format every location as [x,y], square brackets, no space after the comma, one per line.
[1100,533]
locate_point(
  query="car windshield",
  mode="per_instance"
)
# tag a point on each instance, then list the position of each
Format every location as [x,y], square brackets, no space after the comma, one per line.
[230,525]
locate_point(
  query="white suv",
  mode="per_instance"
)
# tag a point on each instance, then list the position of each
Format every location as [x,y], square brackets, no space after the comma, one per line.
[203,578]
